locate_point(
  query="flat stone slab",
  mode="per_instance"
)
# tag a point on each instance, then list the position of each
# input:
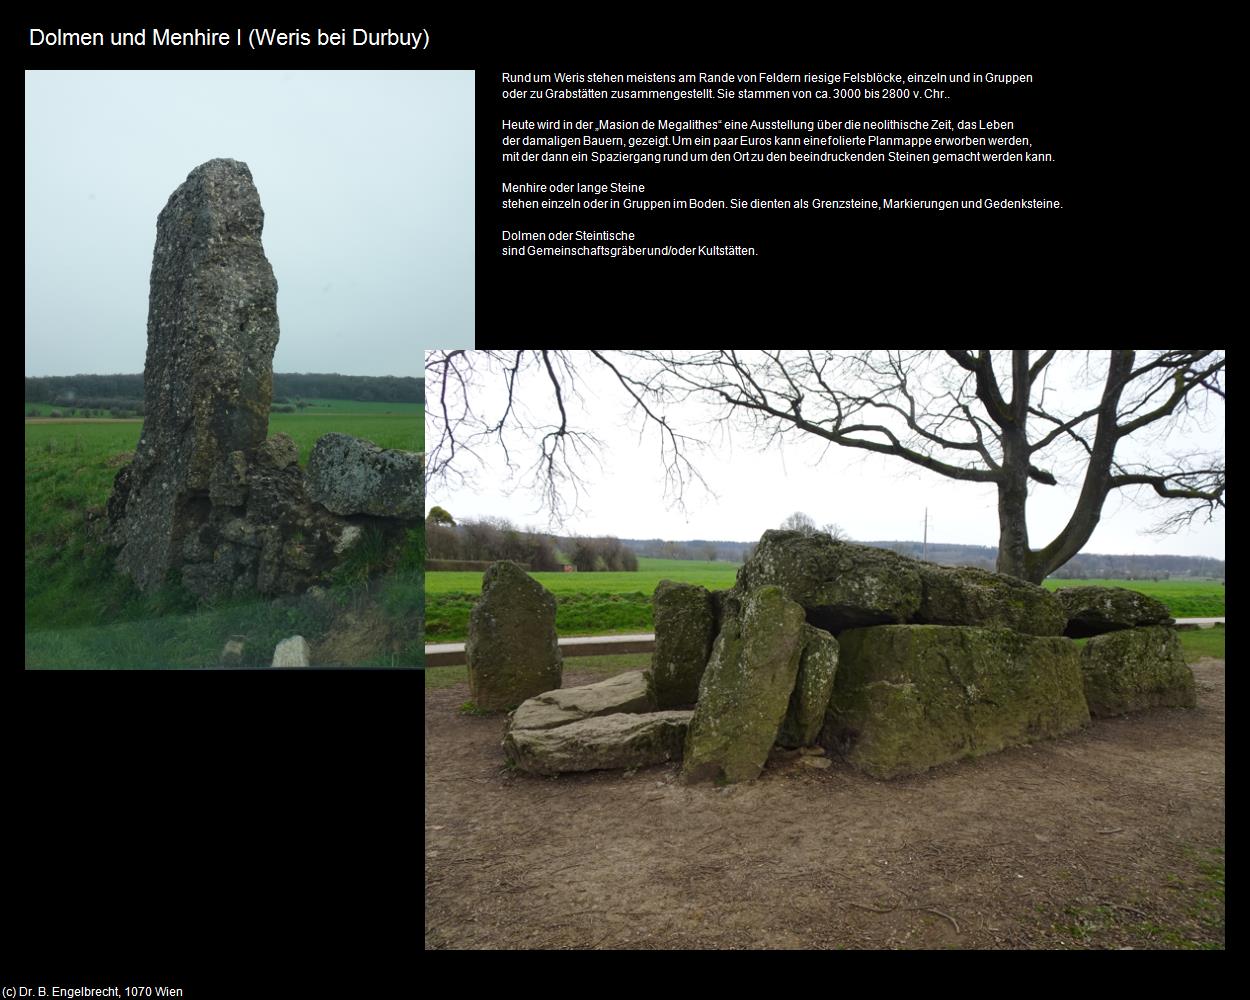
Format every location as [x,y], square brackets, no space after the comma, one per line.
[965,595]
[910,697]
[604,742]
[1135,669]
[623,693]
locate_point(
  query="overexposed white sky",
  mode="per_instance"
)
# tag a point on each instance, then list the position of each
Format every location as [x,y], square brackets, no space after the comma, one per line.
[754,488]
[366,180]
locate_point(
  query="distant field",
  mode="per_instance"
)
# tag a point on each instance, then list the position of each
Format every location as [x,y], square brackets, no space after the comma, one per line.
[713,575]
[613,603]
[79,610]
[1184,598]
[586,603]
[388,425]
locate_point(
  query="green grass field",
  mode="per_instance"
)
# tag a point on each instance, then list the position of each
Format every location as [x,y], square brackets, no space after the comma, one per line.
[615,603]
[586,603]
[81,612]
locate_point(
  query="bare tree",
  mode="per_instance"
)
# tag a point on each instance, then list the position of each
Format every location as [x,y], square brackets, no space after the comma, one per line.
[1013,419]
[798,521]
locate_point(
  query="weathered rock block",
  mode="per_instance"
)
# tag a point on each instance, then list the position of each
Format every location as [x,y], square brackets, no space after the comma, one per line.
[625,693]
[840,585]
[208,376]
[818,666]
[1133,669]
[292,652]
[910,697]
[348,475]
[512,651]
[1098,610]
[745,690]
[607,741]
[685,626]
[965,595]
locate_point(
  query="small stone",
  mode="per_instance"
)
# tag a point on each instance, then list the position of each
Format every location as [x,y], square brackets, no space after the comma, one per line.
[232,653]
[292,652]
[820,762]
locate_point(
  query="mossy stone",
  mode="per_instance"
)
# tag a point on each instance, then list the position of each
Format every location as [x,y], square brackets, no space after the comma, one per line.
[910,697]
[745,690]
[512,652]
[685,623]
[1134,669]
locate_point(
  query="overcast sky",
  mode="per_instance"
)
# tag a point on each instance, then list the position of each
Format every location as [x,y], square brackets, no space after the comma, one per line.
[366,179]
[871,497]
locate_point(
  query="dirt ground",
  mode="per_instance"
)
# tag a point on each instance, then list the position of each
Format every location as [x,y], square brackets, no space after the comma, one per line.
[1110,838]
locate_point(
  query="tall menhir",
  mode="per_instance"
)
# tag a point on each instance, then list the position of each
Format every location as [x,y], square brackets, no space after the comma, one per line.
[208,376]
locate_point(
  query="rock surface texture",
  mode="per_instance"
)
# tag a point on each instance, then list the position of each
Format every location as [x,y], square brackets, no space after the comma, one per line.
[209,501]
[911,697]
[685,626]
[208,377]
[1099,610]
[512,650]
[818,667]
[745,691]
[623,693]
[349,476]
[1133,669]
[608,741]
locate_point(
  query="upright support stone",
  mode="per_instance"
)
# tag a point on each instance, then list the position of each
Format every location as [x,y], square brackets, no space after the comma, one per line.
[685,625]
[1134,669]
[745,690]
[208,377]
[512,652]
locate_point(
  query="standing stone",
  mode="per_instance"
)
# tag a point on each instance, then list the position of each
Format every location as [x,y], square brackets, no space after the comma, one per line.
[208,377]
[818,667]
[513,652]
[1133,669]
[685,623]
[745,690]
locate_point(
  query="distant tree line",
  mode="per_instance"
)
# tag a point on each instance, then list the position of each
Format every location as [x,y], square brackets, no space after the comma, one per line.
[94,390]
[493,538]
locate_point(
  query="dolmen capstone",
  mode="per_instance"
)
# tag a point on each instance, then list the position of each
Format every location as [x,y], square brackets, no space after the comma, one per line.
[1099,610]
[512,650]
[209,500]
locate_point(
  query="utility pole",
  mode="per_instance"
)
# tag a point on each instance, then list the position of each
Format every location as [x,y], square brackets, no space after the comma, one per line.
[926,534]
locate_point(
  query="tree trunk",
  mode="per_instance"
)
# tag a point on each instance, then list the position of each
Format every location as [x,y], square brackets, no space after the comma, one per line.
[1014,557]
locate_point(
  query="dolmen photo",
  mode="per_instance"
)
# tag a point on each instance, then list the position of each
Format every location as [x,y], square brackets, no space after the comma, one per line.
[890,664]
